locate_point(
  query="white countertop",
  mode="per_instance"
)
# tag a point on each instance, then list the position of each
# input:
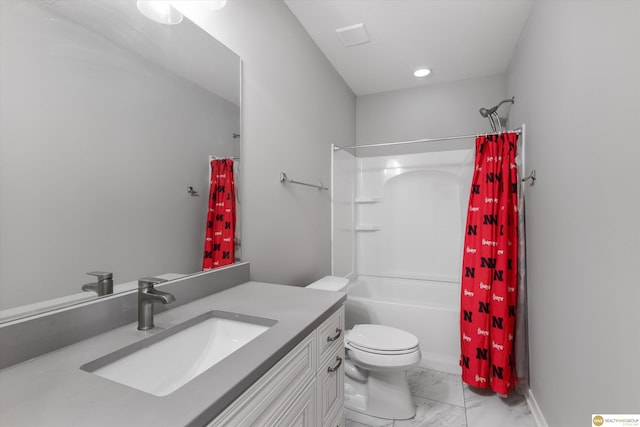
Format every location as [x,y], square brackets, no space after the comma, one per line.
[52,390]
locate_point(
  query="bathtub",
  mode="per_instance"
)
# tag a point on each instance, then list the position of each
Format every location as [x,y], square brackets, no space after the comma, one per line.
[428,309]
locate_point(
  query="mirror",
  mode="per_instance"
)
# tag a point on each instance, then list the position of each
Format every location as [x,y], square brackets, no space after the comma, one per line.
[106,120]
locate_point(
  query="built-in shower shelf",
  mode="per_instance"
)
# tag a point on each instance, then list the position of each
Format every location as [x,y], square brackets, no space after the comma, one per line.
[364,200]
[368,227]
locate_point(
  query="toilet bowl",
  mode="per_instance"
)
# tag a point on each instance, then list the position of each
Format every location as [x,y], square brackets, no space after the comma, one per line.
[377,359]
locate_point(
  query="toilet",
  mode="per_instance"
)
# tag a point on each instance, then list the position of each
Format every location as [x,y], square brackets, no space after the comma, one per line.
[378,358]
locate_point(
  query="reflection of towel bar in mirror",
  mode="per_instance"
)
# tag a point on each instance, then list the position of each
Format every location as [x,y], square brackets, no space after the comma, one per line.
[285,178]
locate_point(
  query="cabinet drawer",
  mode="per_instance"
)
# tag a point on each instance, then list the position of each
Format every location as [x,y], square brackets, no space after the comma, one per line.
[292,372]
[330,335]
[330,384]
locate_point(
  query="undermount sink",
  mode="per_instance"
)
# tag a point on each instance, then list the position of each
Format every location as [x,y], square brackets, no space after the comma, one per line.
[166,361]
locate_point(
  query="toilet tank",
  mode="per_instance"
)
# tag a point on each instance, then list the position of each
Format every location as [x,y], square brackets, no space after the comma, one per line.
[330,283]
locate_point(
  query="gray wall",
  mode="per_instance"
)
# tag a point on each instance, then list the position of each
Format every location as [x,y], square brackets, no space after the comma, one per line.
[294,106]
[440,110]
[576,81]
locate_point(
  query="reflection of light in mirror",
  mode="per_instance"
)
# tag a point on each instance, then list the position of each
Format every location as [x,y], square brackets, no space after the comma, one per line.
[160,11]
[217,4]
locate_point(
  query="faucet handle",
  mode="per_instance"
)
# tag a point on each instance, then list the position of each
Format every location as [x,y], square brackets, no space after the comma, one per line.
[101,275]
[149,282]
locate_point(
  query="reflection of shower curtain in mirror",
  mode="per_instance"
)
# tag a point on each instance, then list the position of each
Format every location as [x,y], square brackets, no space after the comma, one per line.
[490,263]
[221,217]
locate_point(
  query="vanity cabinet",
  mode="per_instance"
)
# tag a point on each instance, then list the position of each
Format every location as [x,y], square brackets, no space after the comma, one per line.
[305,388]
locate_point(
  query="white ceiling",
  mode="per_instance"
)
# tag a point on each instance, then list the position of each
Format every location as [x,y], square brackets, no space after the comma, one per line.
[457,39]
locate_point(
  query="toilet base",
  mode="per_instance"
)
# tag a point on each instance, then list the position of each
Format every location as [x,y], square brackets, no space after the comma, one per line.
[383,395]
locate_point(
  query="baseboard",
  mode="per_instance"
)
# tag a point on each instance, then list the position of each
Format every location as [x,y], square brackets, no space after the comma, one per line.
[535,410]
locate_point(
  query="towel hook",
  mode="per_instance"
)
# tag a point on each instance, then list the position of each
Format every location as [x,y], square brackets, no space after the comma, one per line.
[531,176]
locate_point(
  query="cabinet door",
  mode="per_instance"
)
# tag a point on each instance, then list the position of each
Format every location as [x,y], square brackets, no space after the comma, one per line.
[338,421]
[271,391]
[330,384]
[301,413]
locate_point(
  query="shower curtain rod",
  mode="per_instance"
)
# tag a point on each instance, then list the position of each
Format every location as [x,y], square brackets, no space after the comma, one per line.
[445,138]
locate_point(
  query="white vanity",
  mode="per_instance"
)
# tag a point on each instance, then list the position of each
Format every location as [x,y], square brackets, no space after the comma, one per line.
[291,374]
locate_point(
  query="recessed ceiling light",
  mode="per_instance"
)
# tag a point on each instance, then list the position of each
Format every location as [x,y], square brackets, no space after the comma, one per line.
[422,72]
[160,11]
[217,4]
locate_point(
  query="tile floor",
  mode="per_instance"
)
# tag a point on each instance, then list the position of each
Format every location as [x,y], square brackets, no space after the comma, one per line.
[443,401]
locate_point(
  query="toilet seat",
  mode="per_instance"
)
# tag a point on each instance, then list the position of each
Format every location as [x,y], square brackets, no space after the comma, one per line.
[383,362]
[381,352]
[381,339]
[379,347]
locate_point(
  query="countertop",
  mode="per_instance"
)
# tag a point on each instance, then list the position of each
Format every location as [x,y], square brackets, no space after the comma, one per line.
[52,390]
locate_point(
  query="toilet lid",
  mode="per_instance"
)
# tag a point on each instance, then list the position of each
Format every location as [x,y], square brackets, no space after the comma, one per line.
[381,338]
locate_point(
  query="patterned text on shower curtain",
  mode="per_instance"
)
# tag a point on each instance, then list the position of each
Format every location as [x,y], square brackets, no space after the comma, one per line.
[489,268]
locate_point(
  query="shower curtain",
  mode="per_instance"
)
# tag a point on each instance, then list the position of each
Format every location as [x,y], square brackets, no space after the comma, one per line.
[219,243]
[490,266]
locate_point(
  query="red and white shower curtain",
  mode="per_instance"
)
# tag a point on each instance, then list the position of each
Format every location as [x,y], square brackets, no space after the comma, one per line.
[489,268]
[219,245]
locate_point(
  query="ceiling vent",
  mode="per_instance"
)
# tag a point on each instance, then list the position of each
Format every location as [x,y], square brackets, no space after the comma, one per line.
[353,35]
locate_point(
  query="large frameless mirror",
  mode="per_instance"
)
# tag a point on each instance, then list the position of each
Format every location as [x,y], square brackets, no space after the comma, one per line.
[107,124]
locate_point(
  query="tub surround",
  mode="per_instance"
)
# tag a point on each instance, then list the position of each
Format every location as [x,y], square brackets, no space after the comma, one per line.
[53,390]
[402,252]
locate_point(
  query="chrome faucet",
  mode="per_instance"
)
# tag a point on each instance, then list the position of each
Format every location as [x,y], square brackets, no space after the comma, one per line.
[147,296]
[103,285]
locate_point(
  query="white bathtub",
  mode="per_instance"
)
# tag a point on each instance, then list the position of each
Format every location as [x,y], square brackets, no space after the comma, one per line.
[428,309]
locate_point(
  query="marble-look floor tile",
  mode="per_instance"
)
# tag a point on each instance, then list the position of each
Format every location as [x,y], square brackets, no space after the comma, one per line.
[357,419]
[434,414]
[487,409]
[436,385]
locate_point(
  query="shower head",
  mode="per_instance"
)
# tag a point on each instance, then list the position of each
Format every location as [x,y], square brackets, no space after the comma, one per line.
[487,112]
[492,114]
